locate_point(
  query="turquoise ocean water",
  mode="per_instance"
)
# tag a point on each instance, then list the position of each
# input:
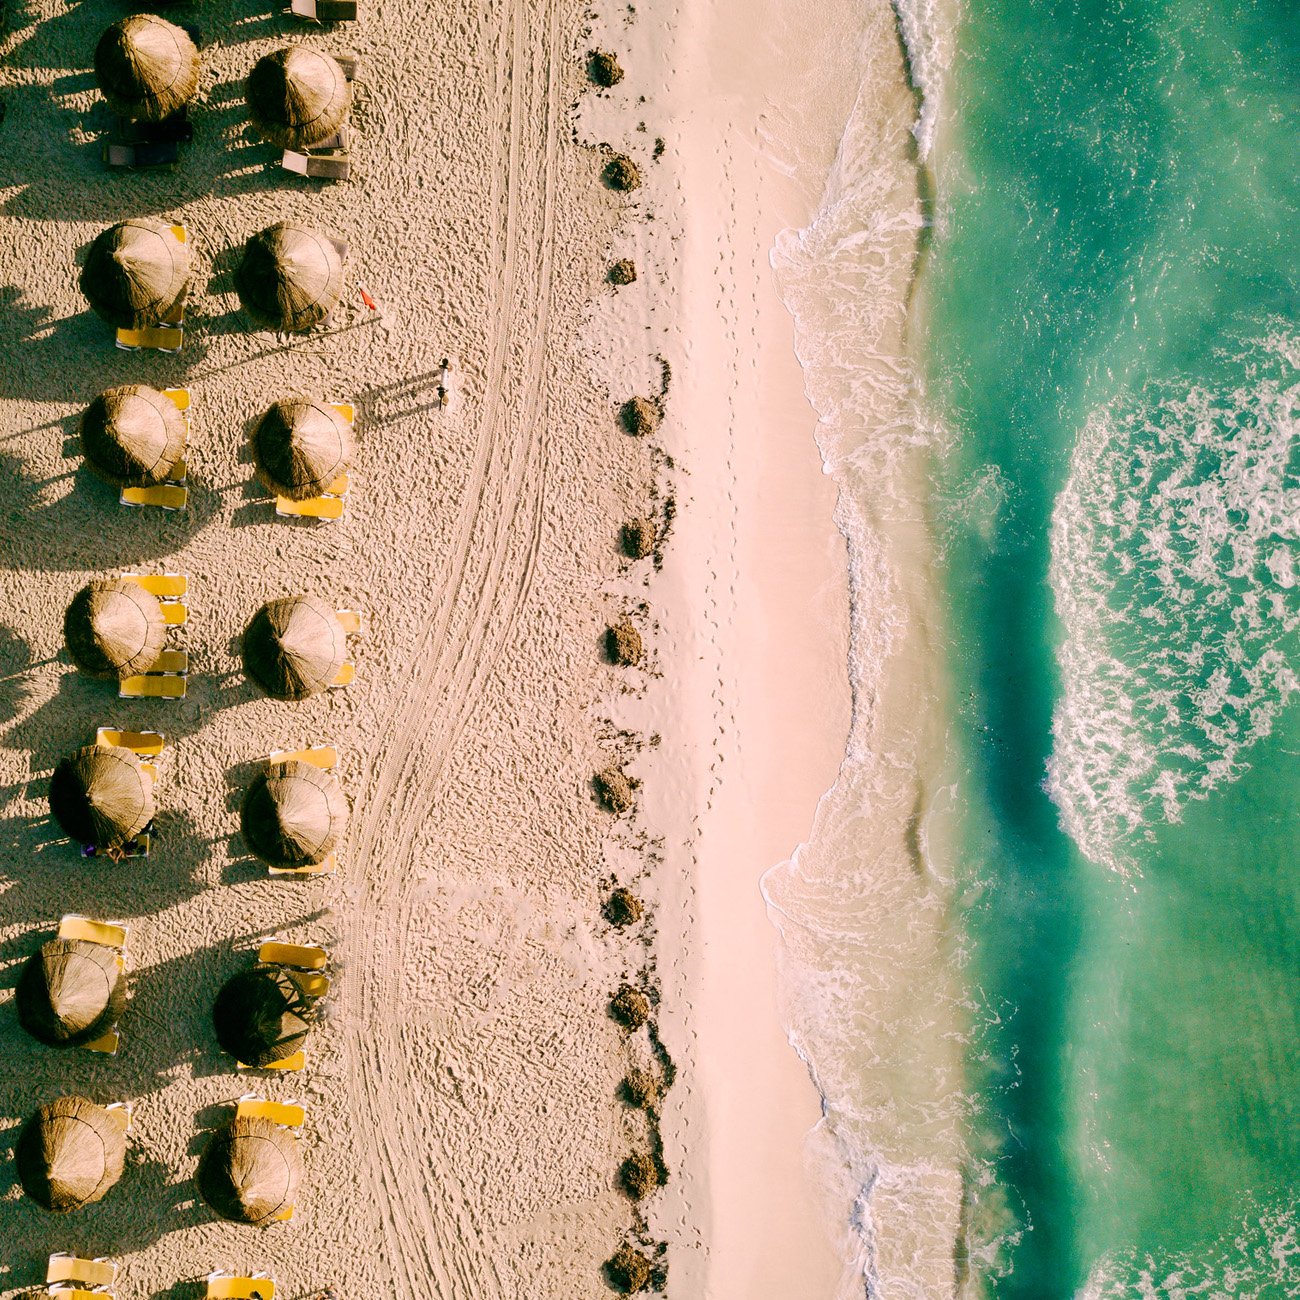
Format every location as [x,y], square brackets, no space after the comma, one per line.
[1111,318]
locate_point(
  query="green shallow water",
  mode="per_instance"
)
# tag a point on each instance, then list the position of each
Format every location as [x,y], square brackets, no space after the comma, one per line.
[1111,340]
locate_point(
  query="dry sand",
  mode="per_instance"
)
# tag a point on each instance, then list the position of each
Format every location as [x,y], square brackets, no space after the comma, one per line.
[463,1130]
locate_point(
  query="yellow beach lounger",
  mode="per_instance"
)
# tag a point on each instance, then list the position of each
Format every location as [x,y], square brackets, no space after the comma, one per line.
[351,620]
[225,1286]
[163,686]
[166,586]
[110,935]
[180,398]
[322,756]
[296,955]
[162,338]
[147,744]
[290,1064]
[121,1111]
[289,1113]
[74,1293]
[98,1272]
[169,496]
[325,868]
[327,508]
[108,1044]
[347,675]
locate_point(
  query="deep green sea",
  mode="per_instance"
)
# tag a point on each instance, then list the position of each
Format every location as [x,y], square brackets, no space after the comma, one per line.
[1112,344]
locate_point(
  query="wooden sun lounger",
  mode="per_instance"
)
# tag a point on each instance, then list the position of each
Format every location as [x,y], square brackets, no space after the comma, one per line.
[326,868]
[347,675]
[297,956]
[318,167]
[226,1286]
[290,1064]
[326,11]
[98,1272]
[322,756]
[107,933]
[289,1113]
[154,686]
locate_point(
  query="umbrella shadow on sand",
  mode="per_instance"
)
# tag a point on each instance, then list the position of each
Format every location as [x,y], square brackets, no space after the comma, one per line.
[68,533]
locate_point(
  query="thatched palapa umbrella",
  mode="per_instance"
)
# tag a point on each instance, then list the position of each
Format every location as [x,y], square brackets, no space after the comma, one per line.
[146,67]
[137,273]
[300,447]
[290,278]
[114,629]
[70,1153]
[132,436]
[297,97]
[250,1170]
[294,814]
[101,795]
[262,1015]
[71,992]
[294,647]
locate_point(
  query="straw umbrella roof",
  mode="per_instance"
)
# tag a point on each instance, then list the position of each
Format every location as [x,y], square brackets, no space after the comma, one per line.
[262,1015]
[101,795]
[132,436]
[136,274]
[294,814]
[70,1152]
[71,992]
[300,447]
[250,1170]
[114,629]
[294,647]
[290,278]
[146,67]
[297,96]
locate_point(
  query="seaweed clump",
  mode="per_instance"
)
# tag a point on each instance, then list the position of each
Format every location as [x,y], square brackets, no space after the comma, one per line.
[614,789]
[623,907]
[621,173]
[623,643]
[623,271]
[630,1007]
[628,1270]
[641,1089]
[638,1176]
[637,538]
[604,69]
[639,416]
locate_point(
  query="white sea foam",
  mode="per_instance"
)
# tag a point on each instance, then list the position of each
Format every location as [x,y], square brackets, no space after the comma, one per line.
[1258,1258]
[1174,549]
[927,28]
[871,999]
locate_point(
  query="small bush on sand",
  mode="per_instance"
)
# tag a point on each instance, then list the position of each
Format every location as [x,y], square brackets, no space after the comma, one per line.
[630,1007]
[603,68]
[621,173]
[628,1269]
[639,416]
[623,643]
[623,272]
[623,907]
[638,538]
[641,1089]
[614,789]
[638,1176]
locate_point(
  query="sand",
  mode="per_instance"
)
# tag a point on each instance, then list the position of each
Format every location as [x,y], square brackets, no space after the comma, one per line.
[463,1129]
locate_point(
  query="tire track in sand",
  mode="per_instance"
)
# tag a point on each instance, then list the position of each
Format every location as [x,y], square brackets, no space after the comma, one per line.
[430,1230]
